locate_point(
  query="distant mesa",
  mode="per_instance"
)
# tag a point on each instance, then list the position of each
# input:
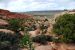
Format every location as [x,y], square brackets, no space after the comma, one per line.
[72,10]
[7,14]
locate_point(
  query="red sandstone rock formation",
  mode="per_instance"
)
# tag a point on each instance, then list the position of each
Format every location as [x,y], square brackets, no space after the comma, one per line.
[9,14]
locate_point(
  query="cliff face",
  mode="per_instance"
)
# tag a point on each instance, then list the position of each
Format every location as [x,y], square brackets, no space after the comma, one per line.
[8,14]
[4,12]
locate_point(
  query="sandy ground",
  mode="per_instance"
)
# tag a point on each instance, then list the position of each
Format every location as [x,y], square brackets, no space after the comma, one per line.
[43,47]
[60,46]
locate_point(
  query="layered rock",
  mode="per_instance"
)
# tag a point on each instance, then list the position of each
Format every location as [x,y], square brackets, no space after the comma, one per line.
[3,22]
[7,14]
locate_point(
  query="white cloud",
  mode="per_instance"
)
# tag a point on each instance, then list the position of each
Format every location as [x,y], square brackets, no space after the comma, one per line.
[32,5]
[21,5]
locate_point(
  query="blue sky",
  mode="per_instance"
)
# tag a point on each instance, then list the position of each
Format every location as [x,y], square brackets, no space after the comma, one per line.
[35,5]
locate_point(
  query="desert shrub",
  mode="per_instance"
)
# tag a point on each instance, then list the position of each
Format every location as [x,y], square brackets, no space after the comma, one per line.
[5,45]
[15,24]
[65,27]
[43,28]
[4,27]
[8,40]
[42,39]
[26,42]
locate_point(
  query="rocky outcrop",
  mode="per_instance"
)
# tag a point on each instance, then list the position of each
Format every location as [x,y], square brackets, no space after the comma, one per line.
[4,12]
[7,31]
[3,22]
[7,14]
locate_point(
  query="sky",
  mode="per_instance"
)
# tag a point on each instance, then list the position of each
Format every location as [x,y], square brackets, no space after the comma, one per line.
[36,5]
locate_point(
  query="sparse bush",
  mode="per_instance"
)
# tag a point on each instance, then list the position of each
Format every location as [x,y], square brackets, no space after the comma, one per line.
[26,42]
[42,39]
[8,40]
[15,24]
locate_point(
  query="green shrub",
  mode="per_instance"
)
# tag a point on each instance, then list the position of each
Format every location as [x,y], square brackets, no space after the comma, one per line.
[15,24]
[42,39]
[65,27]
[26,42]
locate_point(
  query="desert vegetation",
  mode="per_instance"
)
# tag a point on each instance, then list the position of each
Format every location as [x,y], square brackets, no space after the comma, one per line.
[64,28]
[19,33]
